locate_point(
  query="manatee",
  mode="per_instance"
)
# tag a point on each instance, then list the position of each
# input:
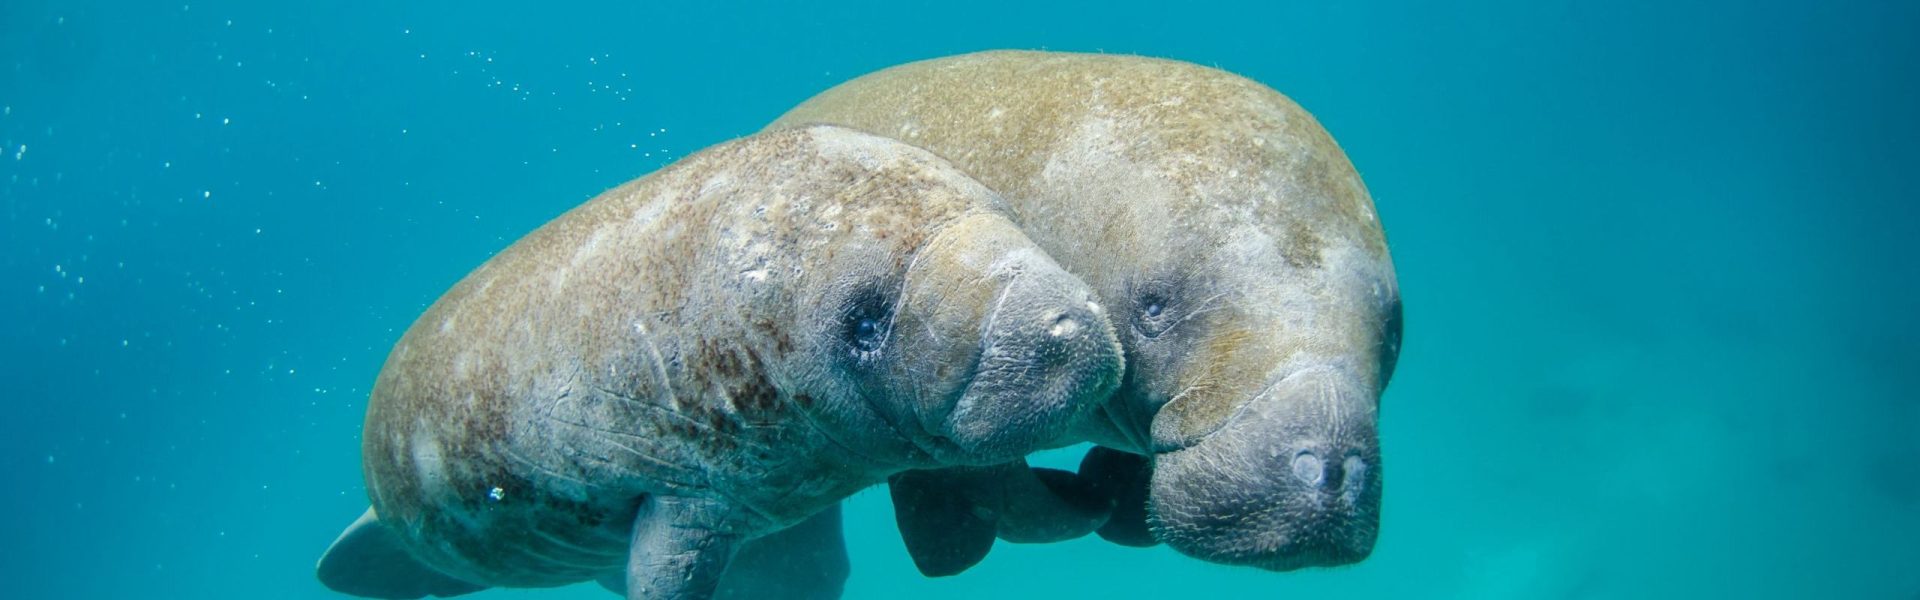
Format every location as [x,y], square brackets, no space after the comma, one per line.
[706,356]
[1242,262]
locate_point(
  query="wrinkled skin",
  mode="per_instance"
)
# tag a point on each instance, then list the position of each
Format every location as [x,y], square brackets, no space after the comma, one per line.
[1242,262]
[707,356]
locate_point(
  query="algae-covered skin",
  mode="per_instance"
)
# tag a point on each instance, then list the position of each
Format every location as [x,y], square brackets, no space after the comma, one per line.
[710,354]
[1242,263]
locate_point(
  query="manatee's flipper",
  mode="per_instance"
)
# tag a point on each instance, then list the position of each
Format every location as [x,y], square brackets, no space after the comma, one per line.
[943,531]
[368,561]
[1037,506]
[807,561]
[680,547]
[949,517]
[803,562]
[615,582]
[1122,477]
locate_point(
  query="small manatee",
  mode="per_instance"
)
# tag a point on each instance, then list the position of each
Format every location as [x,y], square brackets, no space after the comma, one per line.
[707,356]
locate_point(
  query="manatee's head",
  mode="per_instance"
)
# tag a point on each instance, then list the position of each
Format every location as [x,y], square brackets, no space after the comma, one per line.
[1249,277]
[1000,349]
[947,321]
[1258,368]
[1259,381]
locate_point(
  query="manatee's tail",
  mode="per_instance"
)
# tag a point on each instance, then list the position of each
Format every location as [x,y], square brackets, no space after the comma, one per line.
[368,561]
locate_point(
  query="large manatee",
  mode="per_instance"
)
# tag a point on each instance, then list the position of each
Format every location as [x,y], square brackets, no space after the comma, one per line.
[708,355]
[1243,264]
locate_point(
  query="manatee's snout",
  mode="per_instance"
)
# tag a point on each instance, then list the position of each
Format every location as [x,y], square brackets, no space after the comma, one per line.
[1047,355]
[1291,481]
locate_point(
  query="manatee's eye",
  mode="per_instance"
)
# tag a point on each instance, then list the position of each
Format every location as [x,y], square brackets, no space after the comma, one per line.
[866,335]
[1153,314]
[1390,343]
[864,323]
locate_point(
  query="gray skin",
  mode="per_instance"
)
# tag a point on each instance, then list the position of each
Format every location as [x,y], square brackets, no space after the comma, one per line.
[1242,262]
[711,354]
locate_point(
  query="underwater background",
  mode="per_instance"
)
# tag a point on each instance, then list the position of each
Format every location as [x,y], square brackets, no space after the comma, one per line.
[1657,264]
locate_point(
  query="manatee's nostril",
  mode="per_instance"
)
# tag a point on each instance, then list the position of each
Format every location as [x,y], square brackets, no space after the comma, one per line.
[1308,468]
[1064,326]
[1356,476]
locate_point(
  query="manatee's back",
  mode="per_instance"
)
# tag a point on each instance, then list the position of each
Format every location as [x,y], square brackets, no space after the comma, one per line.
[1144,147]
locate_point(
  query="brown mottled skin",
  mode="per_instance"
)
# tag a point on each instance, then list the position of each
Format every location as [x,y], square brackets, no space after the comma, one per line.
[685,335]
[1239,255]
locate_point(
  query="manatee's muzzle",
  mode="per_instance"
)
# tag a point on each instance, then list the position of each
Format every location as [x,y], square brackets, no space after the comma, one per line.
[1291,481]
[1047,356]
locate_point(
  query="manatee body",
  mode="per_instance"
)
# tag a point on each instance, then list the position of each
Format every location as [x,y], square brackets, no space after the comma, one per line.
[706,356]
[1243,265]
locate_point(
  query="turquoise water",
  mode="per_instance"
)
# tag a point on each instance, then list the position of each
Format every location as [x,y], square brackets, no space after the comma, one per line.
[1656,265]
